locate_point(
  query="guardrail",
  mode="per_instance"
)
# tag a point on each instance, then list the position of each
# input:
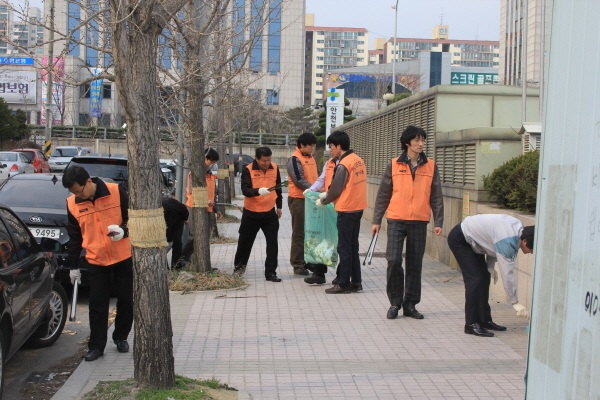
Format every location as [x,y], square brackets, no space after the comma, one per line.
[38,132]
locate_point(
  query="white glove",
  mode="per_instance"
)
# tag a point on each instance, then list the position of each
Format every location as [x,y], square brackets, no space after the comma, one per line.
[75,275]
[319,203]
[521,310]
[263,191]
[494,274]
[306,191]
[322,195]
[118,232]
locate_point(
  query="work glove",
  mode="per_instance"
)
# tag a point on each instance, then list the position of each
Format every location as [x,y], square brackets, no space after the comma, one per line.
[116,232]
[75,275]
[306,192]
[521,310]
[263,191]
[494,274]
[319,203]
[322,195]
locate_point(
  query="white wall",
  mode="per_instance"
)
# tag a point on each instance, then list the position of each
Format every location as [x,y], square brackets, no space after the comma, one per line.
[565,333]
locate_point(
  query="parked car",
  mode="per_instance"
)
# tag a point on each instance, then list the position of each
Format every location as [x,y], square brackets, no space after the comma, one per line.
[33,305]
[246,159]
[61,156]
[37,158]
[15,163]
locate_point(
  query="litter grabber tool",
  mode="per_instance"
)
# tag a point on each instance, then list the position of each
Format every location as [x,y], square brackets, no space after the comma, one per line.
[369,255]
[74,304]
[281,185]
[229,205]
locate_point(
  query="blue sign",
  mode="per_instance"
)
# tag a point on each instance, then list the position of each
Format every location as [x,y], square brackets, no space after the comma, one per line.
[96,95]
[16,60]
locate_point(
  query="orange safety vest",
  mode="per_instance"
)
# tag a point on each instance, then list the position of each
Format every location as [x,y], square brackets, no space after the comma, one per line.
[210,185]
[329,169]
[311,174]
[354,196]
[266,179]
[94,219]
[410,198]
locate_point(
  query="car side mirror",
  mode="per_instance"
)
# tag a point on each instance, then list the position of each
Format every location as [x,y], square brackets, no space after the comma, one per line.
[48,244]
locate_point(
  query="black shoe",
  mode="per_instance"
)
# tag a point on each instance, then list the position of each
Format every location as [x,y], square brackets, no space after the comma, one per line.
[477,330]
[337,289]
[239,270]
[122,346]
[493,326]
[93,355]
[335,281]
[300,271]
[411,311]
[392,312]
[316,279]
[273,278]
[356,287]
[310,267]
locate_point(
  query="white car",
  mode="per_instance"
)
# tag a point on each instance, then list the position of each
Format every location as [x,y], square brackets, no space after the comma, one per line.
[13,163]
[61,156]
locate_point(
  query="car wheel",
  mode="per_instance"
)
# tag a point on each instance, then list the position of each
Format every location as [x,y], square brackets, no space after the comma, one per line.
[2,355]
[59,310]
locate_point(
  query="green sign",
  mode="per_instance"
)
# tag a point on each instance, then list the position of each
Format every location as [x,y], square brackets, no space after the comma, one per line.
[464,78]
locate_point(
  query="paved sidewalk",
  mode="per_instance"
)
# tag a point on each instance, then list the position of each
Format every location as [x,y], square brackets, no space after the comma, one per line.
[290,340]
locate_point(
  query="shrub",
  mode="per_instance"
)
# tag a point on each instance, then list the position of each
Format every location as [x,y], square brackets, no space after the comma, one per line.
[514,183]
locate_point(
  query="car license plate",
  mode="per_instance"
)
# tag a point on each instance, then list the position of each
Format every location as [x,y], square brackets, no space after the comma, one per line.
[45,232]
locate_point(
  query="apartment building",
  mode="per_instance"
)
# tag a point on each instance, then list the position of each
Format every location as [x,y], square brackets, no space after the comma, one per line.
[464,53]
[329,48]
[6,18]
[512,17]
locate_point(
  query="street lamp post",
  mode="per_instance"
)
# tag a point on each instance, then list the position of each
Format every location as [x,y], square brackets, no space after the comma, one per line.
[394,55]
[388,96]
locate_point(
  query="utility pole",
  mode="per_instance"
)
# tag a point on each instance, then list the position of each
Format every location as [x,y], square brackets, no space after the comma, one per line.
[394,51]
[50,66]
[524,32]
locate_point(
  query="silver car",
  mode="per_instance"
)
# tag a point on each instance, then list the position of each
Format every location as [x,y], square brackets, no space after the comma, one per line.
[13,163]
[61,156]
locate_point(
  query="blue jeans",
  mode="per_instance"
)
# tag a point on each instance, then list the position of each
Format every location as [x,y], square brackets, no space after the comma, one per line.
[348,225]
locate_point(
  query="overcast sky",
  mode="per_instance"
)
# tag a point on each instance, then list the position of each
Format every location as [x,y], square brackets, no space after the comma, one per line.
[466,19]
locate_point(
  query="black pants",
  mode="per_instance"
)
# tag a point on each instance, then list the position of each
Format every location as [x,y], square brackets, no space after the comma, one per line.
[399,293]
[251,223]
[348,225]
[100,286]
[296,206]
[475,275]
[175,236]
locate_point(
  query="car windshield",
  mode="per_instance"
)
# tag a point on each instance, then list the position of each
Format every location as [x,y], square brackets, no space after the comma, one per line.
[29,155]
[58,152]
[26,193]
[110,169]
[8,156]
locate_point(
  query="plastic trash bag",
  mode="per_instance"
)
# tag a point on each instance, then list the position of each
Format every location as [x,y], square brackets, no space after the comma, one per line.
[320,232]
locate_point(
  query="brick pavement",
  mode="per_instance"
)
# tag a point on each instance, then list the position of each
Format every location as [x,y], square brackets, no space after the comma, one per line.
[290,340]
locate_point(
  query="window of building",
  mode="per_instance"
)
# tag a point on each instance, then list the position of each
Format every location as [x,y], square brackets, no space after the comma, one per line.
[254,93]
[73,20]
[360,51]
[320,58]
[319,75]
[319,83]
[308,49]
[319,67]
[360,59]
[319,92]
[272,97]
[456,54]
[496,63]
[496,54]
[361,34]
[322,33]
[306,90]
[104,120]
[320,41]
[361,41]
[320,49]
[274,41]
[106,91]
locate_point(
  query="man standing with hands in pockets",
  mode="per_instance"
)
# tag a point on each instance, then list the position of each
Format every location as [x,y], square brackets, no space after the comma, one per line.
[410,191]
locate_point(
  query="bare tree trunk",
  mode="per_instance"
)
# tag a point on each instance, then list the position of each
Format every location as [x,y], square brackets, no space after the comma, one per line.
[135,42]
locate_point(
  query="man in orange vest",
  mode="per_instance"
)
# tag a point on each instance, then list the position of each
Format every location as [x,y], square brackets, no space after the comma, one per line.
[348,192]
[262,210]
[211,156]
[410,190]
[302,172]
[98,214]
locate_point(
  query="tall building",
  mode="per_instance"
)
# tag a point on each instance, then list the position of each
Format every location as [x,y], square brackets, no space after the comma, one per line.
[512,15]
[329,48]
[27,35]
[466,53]
[6,18]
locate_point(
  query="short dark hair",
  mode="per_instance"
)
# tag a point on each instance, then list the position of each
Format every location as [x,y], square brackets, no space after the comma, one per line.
[409,134]
[339,138]
[75,174]
[263,151]
[211,154]
[527,234]
[306,138]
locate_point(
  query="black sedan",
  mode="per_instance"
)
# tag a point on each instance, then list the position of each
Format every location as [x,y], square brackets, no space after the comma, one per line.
[33,305]
[40,201]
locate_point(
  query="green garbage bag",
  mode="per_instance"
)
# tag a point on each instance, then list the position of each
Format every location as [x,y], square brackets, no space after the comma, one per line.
[320,232]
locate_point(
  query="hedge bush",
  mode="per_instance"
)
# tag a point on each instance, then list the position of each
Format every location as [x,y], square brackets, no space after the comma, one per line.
[514,183]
